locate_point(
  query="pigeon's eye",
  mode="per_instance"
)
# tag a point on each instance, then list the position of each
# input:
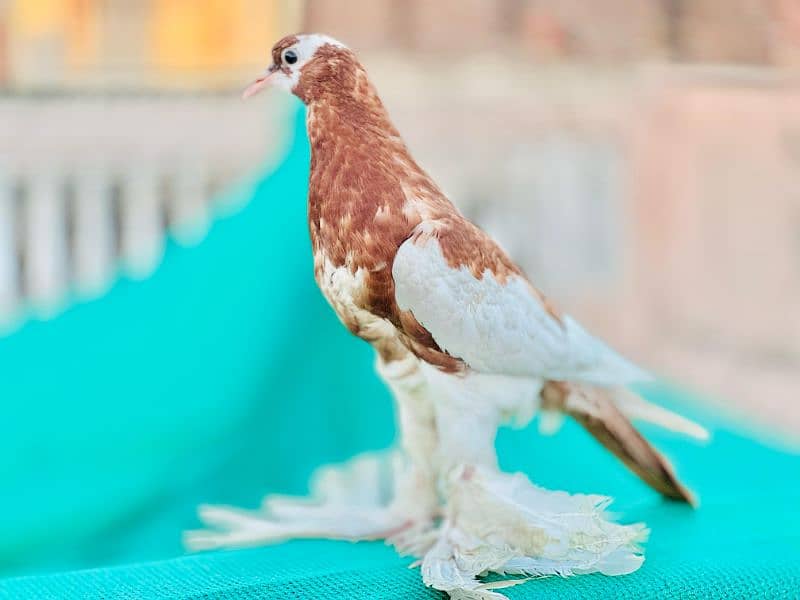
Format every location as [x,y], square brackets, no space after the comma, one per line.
[289,56]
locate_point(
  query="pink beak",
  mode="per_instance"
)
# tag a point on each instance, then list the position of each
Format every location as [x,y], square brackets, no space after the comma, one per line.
[259,84]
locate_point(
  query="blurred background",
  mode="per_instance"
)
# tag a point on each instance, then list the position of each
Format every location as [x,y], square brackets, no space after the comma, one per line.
[639,159]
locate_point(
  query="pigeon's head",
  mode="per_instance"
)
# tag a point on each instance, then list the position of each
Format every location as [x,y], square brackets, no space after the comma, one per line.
[309,66]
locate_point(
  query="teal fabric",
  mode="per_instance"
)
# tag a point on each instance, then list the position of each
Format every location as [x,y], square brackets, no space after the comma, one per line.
[223,375]
[226,376]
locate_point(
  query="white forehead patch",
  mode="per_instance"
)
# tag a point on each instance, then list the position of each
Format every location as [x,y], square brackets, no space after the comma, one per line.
[307,45]
[311,41]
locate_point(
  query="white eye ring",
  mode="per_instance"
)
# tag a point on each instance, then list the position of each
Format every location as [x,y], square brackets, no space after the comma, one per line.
[289,56]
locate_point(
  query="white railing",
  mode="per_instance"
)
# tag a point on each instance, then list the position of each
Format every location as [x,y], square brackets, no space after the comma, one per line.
[90,186]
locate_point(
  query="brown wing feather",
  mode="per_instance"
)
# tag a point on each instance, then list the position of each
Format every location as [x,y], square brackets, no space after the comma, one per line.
[595,410]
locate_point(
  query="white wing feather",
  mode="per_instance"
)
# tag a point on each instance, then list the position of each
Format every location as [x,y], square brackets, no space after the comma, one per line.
[500,328]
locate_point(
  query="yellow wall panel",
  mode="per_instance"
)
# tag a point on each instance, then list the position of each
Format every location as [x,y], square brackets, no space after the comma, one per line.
[81,31]
[191,34]
[34,18]
[155,42]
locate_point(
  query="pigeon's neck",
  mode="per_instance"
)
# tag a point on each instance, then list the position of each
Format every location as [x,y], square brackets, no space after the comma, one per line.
[356,148]
[351,123]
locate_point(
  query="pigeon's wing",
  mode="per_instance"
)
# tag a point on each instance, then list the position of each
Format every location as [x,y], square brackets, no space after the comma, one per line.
[478,306]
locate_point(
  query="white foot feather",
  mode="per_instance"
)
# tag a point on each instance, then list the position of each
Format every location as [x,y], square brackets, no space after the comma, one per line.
[354,501]
[493,523]
[499,523]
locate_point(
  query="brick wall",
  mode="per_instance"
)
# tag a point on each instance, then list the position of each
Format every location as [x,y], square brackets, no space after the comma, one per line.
[736,31]
[716,190]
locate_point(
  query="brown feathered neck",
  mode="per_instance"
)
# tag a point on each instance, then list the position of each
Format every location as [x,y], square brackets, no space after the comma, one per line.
[341,99]
[363,180]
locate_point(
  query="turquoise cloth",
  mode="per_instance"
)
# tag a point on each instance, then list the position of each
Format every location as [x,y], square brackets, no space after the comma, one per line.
[226,376]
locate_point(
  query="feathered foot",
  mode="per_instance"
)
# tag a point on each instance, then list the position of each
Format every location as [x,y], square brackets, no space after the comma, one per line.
[353,501]
[491,522]
[500,523]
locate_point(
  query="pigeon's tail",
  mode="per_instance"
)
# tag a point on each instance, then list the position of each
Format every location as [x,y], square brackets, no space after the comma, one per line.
[598,411]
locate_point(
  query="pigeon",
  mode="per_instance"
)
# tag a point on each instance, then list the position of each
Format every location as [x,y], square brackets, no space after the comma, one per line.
[465,343]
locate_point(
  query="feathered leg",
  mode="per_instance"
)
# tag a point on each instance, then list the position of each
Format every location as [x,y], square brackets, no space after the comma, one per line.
[416,501]
[416,496]
[502,523]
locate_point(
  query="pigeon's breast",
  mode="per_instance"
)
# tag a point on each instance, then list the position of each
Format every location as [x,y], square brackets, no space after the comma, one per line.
[346,289]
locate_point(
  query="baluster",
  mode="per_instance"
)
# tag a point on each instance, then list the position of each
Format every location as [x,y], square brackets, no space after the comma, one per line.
[9,271]
[141,221]
[93,232]
[188,208]
[45,243]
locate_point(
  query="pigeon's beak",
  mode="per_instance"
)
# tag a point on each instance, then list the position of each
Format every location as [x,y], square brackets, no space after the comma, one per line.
[260,83]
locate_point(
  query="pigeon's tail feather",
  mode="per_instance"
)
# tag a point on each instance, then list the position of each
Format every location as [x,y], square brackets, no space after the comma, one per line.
[596,410]
[637,408]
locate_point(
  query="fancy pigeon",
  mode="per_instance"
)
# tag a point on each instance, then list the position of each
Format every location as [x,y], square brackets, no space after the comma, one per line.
[466,343]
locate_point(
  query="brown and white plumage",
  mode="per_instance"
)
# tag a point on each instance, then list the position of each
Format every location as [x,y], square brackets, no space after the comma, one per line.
[464,341]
